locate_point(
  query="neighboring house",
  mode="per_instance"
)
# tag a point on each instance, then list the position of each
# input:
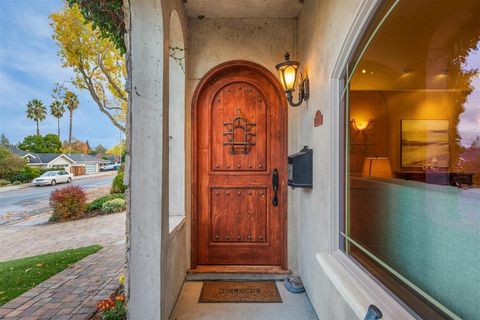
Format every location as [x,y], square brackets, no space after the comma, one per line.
[92,164]
[60,160]
[112,159]
[108,158]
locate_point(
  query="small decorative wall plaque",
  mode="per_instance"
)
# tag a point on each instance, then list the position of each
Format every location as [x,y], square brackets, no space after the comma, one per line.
[318,121]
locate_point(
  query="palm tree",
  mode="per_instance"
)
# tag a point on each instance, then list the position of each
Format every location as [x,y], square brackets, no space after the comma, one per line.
[36,111]
[57,109]
[71,101]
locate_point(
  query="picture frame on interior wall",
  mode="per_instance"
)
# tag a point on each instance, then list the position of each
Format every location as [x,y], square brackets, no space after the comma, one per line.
[425,144]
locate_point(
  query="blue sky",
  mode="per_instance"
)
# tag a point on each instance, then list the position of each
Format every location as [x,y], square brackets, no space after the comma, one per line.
[29,68]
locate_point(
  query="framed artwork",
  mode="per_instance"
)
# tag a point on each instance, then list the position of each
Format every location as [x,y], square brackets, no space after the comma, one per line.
[425,143]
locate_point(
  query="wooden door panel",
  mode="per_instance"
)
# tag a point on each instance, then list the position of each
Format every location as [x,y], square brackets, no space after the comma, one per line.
[238,215]
[238,100]
[240,137]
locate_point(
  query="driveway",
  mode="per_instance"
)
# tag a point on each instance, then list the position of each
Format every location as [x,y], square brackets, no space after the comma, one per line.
[34,200]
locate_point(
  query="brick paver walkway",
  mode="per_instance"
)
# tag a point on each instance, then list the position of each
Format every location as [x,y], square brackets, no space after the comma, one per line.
[74,292]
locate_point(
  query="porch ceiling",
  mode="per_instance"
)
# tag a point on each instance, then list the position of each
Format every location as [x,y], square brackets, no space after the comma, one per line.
[243,9]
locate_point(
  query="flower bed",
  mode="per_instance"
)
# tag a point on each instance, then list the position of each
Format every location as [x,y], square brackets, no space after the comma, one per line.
[113,308]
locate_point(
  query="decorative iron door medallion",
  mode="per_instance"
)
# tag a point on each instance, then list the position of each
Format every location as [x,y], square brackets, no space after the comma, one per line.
[239,127]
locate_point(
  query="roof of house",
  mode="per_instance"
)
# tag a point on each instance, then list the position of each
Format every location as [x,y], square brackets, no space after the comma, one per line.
[48,157]
[18,152]
[81,158]
[41,158]
[32,157]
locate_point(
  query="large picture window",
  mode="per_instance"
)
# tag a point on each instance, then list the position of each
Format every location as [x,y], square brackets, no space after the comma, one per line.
[411,107]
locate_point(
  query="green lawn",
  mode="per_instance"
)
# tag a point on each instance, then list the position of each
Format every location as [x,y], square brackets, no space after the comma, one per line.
[19,276]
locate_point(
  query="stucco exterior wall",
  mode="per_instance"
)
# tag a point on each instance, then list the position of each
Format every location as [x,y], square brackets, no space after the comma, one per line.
[217,40]
[146,145]
[156,259]
[175,266]
[322,29]
[60,161]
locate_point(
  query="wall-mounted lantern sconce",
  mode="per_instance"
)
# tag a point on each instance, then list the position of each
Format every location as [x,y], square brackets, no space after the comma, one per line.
[288,71]
[360,125]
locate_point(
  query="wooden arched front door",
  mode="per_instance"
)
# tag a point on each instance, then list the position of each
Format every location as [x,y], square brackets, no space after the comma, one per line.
[239,120]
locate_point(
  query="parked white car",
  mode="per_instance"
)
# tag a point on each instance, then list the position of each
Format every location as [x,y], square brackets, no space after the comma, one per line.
[112,166]
[52,178]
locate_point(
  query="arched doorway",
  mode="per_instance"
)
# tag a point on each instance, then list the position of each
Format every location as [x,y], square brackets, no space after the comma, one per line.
[239,129]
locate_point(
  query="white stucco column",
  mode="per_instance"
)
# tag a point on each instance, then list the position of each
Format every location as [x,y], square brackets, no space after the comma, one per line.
[146,154]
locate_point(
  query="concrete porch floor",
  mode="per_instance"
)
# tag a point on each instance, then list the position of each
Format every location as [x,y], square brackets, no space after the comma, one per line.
[294,306]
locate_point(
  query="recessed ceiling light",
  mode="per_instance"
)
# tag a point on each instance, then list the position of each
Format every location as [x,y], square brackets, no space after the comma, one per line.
[364,71]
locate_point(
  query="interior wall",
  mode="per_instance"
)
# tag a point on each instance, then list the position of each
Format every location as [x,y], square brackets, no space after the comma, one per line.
[389,108]
[217,40]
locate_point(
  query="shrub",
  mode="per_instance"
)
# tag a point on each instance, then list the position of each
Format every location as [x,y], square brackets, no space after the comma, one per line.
[27,174]
[16,182]
[113,206]
[4,182]
[10,164]
[98,203]
[117,185]
[67,203]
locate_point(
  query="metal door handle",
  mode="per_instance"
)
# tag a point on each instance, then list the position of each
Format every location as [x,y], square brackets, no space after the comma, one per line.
[275,187]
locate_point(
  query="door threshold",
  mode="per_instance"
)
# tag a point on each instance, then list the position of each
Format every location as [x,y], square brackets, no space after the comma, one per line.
[228,272]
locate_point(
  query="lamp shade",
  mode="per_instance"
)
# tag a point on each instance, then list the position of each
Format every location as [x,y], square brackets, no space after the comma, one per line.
[361,125]
[288,73]
[377,167]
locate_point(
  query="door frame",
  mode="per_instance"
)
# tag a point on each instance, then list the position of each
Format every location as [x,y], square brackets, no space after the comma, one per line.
[204,82]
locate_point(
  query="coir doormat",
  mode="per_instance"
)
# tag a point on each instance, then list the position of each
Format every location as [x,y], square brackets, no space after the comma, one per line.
[239,292]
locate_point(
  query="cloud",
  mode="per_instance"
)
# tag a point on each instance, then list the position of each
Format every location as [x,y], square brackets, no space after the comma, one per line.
[27,46]
[33,23]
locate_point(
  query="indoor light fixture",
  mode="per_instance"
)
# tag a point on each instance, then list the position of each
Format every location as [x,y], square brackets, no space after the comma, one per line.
[288,71]
[361,125]
[378,167]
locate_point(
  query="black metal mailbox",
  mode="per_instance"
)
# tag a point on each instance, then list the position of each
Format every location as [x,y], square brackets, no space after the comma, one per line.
[300,169]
